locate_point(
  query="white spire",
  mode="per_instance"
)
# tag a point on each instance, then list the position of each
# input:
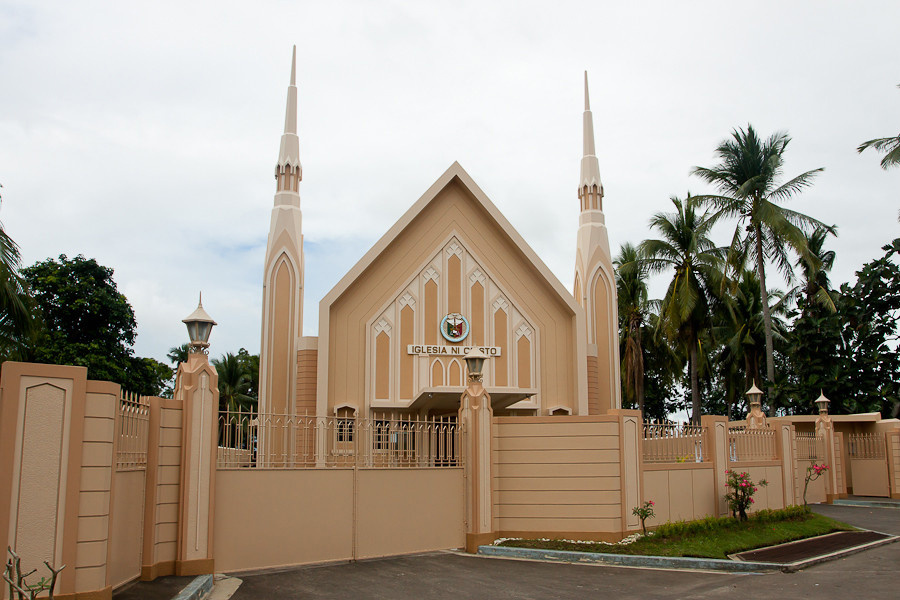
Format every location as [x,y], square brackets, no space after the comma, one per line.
[289,154]
[590,166]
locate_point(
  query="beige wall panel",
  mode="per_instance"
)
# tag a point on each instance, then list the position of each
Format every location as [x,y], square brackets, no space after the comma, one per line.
[567,511]
[170,455]
[501,333]
[556,470]
[274,518]
[561,428]
[169,474]
[523,362]
[454,373]
[431,312]
[93,504]
[410,510]
[95,479]
[547,456]
[168,493]
[91,554]
[477,312]
[90,578]
[40,476]
[407,337]
[454,285]
[452,210]
[604,337]
[170,418]
[681,496]
[93,529]
[576,483]
[167,513]
[127,526]
[437,373]
[167,532]
[656,488]
[281,311]
[382,366]
[559,497]
[573,442]
[99,430]
[870,477]
[100,405]
[704,493]
[166,551]
[556,524]
[96,454]
[593,385]
[170,437]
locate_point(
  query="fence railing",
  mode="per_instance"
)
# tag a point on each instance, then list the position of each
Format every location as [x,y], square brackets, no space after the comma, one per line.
[673,443]
[810,447]
[133,434]
[273,441]
[751,444]
[866,446]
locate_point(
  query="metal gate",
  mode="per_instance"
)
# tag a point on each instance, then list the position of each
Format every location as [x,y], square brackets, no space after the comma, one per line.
[868,464]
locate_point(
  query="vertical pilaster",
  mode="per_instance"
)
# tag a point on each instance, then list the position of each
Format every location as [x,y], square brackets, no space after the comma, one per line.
[784,449]
[476,419]
[196,386]
[630,466]
[715,450]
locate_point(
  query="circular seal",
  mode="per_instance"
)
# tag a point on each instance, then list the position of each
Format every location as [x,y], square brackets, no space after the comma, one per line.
[454,327]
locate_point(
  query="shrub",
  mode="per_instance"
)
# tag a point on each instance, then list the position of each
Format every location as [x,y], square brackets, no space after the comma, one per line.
[740,495]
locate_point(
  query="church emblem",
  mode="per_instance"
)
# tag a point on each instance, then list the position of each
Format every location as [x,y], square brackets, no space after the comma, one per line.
[454,327]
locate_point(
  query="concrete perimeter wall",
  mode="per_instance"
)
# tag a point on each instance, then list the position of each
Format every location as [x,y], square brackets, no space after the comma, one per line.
[558,477]
[280,517]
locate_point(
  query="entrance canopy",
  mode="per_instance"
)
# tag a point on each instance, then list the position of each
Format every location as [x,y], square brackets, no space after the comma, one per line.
[447,397]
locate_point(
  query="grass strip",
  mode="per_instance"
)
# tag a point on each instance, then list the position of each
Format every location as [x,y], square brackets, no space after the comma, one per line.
[707,538]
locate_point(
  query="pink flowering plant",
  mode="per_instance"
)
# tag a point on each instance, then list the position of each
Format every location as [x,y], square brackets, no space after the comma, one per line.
[643,513]
[813,472]
[740,492]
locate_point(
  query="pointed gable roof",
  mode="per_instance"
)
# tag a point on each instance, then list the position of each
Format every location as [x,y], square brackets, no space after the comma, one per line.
[457,172]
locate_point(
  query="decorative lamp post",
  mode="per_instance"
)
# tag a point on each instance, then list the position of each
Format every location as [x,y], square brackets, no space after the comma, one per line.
[757,418]
[823,421]
[475,364]
[199,326]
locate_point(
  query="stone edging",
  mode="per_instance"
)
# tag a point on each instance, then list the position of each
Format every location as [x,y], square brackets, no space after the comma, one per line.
[196,589]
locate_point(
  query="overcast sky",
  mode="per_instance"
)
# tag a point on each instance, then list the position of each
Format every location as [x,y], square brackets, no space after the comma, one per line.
[145,134]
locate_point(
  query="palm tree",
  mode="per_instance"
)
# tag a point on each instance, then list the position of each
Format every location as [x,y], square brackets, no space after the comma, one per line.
[815,285]
[16,320]
[634,307]
[685,247]
[179,354]
[889,145]
[234,383]
[748,177]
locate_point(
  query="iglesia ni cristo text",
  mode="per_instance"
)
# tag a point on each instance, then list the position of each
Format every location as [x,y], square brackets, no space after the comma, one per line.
[451,274]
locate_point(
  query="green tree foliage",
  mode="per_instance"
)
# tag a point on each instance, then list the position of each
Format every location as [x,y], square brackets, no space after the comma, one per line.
[686,250]
[236,381]
[16,321]
[890,146]
[748,179]
[634,307]
[86,321]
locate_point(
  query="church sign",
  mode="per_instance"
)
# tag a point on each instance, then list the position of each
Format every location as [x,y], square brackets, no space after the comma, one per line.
[423,350]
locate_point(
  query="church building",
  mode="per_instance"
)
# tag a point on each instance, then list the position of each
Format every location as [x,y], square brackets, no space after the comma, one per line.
[451,274]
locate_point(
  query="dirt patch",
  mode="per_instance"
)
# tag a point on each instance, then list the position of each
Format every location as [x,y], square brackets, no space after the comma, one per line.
[811,548]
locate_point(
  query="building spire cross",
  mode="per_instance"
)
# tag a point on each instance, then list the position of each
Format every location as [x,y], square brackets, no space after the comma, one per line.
[590,167]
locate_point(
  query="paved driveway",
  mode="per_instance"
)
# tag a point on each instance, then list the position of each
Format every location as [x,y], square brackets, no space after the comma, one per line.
[871,574]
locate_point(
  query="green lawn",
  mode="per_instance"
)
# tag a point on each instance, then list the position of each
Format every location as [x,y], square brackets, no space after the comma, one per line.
[709,538]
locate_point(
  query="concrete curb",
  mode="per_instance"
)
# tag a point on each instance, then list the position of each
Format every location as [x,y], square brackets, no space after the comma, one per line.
[627,560]
[868,503]
[197,589]
[672,562]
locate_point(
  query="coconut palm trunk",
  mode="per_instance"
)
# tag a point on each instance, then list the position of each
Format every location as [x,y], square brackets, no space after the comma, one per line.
[767,315]
[695,384]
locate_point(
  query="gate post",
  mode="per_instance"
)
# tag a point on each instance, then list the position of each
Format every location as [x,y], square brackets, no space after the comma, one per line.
[476,418]
[716,451]
[784,449]
[197,388]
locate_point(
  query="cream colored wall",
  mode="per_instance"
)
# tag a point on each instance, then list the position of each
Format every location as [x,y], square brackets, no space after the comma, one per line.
[680,492]
[403,511]
[870,476]
[274,518]
[127,526]
[557,476]
[452,210]
[163,493]
[95,509]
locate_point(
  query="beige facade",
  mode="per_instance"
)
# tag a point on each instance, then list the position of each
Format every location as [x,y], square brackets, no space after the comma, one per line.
[452,273]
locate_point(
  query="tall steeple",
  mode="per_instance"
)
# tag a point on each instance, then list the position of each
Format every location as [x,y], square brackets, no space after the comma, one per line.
[282,311]
[595,283]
